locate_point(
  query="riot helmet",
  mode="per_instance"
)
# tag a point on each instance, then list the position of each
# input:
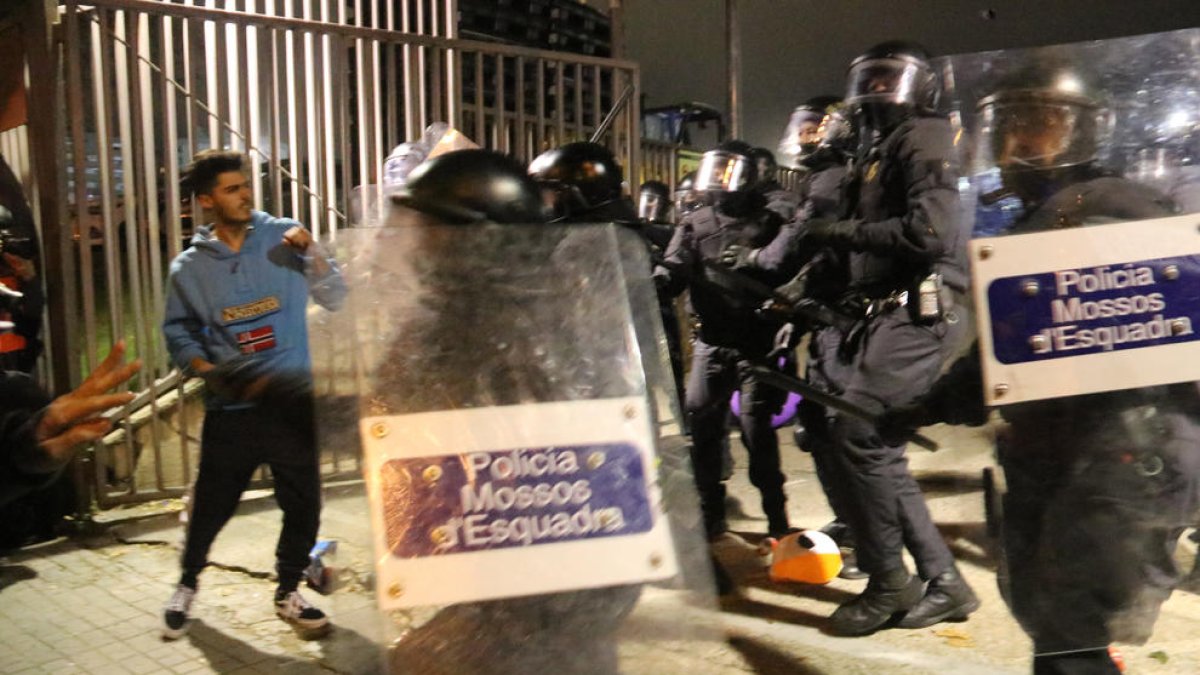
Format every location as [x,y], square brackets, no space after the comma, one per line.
[401,162]
[890,82]
[577,178]
[801,136]
[1039,123]
[471,186]
[764,164]
[837,129]
[687,198]
[654,202]
[727,168]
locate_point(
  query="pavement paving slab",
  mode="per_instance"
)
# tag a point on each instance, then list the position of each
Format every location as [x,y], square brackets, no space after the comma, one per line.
[92,603]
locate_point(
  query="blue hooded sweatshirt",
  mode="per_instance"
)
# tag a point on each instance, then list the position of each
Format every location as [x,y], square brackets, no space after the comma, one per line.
[251,303]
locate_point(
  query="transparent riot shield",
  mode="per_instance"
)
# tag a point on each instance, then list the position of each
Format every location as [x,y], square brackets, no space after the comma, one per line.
[528,503]
[1086,278]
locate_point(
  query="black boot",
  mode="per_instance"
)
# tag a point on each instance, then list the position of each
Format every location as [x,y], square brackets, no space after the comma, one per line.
[947,598]
[850,569]
[886,595]
[777,525]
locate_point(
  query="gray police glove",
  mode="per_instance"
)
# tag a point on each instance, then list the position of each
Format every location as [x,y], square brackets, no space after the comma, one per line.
[838,233]
[738,257]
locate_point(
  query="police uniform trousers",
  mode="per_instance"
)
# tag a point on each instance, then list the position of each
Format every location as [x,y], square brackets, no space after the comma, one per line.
[1099,489]
[826,371]
[893,362]
[716,373]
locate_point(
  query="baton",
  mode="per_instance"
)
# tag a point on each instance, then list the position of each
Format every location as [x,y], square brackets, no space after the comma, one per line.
[786,382]
[808,308]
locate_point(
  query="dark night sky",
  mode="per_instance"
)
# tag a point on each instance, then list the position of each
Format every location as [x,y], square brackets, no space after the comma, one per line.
[794,49]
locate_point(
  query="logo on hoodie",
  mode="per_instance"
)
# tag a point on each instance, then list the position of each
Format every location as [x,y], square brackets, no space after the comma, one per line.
[250,310]
[257,340]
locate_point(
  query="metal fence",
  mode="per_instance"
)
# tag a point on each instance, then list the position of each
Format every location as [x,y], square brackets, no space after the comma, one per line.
[316,93]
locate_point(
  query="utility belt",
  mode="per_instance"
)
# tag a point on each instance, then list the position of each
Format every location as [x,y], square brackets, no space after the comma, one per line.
[928,301]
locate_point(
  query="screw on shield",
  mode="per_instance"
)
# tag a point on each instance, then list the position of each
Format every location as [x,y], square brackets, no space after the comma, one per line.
[1000,390]
[1039,343]
[379,430]
[986,252]
[629,412]
[595,460]
[656,560]
[1030,287]
[395,590]
[432,473]
[1171,272]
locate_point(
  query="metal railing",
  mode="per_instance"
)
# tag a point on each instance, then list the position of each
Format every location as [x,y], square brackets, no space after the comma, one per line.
[316,99]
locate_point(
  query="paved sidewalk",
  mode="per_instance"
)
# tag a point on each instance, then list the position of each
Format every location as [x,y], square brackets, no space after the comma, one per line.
[93,604]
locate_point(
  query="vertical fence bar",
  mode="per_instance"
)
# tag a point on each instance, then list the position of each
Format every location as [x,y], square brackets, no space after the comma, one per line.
[501,144]
[578,98]
[560,103]
[522,149]
[540,135]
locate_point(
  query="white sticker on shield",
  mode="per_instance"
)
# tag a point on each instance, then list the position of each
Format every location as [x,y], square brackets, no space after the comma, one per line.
[493,502]
[1091,309]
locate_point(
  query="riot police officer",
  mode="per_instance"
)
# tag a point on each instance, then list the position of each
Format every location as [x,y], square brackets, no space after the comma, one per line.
[779,199]
[731,334]
[687,197]
[654,202]
[824,279]
[476,263]
[1100,486]
[901,237]
[802,135]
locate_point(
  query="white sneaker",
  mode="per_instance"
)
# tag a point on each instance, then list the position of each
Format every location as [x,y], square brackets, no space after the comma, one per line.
[294,609]
[175,615]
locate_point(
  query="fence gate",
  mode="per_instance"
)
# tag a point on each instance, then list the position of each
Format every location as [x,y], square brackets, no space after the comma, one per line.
[316,92]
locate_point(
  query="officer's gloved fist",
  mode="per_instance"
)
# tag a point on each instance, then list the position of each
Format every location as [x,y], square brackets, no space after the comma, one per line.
[736,256]
[793,291]
[901,421]
[831,232]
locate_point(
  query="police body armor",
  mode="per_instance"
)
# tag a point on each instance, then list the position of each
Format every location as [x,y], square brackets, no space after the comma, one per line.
[930,241]
[731,319]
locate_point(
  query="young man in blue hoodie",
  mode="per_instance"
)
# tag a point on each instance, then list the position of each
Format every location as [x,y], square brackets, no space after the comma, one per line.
[235,316]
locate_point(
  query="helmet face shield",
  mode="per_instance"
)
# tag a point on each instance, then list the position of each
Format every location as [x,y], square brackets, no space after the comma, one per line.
[653,207]
[1030,134]
[722,171]
[801,136]
[890,80]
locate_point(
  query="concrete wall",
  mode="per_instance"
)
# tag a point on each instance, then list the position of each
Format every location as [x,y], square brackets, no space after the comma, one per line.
[794,49]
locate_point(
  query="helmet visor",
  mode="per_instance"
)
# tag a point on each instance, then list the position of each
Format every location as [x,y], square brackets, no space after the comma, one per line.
[722,171]
[652,207]
[887,81]
[801,136]
[1031,134]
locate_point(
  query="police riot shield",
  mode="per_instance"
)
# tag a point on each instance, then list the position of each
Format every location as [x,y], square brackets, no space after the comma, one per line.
[528,502]
[1086,281]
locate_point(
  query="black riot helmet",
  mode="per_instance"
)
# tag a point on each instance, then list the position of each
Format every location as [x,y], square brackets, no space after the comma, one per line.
[891,81]
[687,197]
[729,167]
[801,137]
[654,202]
[1040,123]
[764,164]
[577,178]
[470,186]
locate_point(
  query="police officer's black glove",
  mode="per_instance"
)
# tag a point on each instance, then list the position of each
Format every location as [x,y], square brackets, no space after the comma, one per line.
[901,421]
[794,290]
[836,233]
[738,257]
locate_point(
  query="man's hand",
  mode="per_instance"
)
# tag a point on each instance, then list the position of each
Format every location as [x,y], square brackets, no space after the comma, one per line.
[739,257]
[22,266]
[297,238]
[70,419]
